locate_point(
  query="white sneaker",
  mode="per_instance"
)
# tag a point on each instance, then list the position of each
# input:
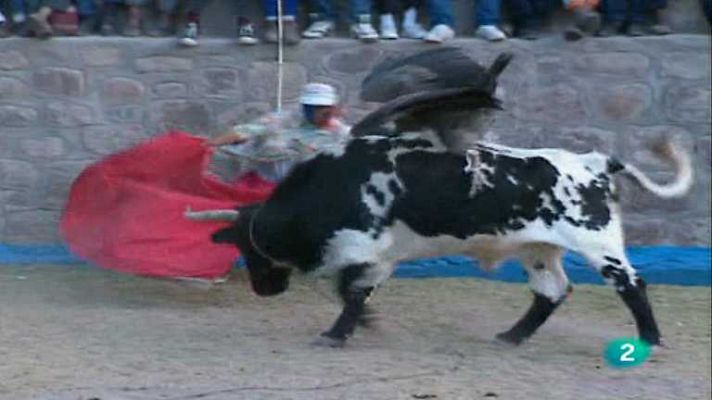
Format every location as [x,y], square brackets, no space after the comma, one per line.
[388,27]
[318,30]
[414,31]
[490,32]
[439,33]
[364,31]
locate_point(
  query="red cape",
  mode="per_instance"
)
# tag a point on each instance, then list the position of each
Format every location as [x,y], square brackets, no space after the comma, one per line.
[126,212]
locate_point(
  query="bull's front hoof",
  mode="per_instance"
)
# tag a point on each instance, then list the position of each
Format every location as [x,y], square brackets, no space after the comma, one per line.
[328,341]
[509,339]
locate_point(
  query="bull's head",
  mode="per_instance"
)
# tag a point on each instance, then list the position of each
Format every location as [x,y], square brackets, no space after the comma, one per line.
[266,278]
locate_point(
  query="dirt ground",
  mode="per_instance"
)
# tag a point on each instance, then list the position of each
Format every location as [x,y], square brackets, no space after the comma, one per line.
[77,332]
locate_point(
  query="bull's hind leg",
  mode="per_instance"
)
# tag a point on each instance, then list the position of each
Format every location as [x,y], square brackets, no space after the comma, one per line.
[616,270]
[355,286]
[550,286]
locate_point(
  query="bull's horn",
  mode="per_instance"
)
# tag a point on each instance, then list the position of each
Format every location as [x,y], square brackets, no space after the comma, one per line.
[211,215]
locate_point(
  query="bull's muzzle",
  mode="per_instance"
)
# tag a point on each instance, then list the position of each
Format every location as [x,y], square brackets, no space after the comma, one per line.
[271,283]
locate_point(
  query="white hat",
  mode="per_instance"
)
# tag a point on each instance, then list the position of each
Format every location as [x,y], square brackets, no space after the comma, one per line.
[318,94]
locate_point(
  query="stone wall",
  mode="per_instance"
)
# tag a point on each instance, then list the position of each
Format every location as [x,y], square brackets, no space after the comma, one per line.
[67,102]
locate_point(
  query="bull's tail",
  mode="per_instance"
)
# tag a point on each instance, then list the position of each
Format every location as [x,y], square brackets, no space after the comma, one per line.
[683,172]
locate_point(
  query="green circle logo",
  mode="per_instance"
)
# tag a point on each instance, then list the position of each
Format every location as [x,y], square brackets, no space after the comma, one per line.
[626,352]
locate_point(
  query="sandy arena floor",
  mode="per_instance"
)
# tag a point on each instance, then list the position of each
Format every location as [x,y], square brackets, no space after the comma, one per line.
[74,333]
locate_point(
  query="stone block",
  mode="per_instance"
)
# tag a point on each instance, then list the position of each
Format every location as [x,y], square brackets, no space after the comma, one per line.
[101,56]
[170,89]
[65,114]
[625,102]
[59,81]
[17,116]
[105,140]
[12,88]
[354,60]
[241,114]
[125,114]
[36,226]
[192,116]
[221,82]
[19,199]
[262,81]
[45,148]
[688,104]
[163,64]
[17,174]
[122,91]
[12,59]
[553,104]
[622,64]
[60,176]
[686,65]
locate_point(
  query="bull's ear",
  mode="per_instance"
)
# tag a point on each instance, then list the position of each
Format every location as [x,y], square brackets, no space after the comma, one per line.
[226,235]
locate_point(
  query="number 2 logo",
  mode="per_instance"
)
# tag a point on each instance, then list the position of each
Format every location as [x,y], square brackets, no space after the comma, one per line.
[626,352]
[628,349]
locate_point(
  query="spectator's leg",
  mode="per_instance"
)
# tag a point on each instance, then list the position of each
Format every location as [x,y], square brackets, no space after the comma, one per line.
[4,26]
[441,21]
[166,14]
[523,18]
[322,17]
[361,27]
[614,16]
[134,24]
[289,12]
[655,24]
[387,10]
[411,28]
[487,14]
[19,11]
[37,22]
[191,31]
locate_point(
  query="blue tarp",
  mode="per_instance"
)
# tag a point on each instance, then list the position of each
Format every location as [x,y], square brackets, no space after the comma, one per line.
[657,264]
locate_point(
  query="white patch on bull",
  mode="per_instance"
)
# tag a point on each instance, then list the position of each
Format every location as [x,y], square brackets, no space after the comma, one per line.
[378,181]
[479,171]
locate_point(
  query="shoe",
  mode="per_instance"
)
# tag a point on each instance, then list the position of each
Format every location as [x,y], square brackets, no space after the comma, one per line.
[525,31]
[246,33]
[4,30]
[659,29]
[490,33]
[388,27]
[39,27]
[573,33]
[635,30]
[189,37]
[440,33]
[610,29]
[318,30]
[588,21]
[133,25]
[363,30]
[163,27]
[413,31]
[107,29]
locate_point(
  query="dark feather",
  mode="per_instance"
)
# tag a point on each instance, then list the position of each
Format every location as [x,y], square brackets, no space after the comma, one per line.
[423,107]
[440,68]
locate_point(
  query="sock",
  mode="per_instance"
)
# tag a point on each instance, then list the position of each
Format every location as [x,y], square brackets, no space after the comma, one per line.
[410,17]
[387,21]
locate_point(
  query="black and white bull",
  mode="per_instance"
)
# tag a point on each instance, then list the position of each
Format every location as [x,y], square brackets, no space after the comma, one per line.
[357,211]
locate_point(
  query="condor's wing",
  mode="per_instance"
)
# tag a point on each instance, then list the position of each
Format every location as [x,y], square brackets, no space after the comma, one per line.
[441,68]
[447,92]
[420,110]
